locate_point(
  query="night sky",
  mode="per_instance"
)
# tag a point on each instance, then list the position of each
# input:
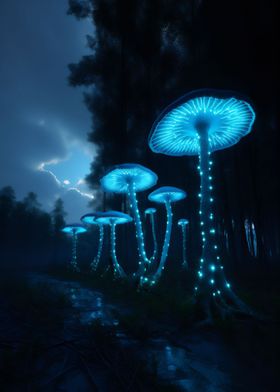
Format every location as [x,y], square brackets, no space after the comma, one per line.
[44,123]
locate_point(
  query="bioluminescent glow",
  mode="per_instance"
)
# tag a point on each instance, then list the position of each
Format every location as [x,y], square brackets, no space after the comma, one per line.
[254,239]
[166,195]
[197,124]
[224,120]
[114,218]
[130,178]
[117,179]
[251,237]
[74,229]
[91,219]
[94,264]
[226,239]
[183,224]
[151,213]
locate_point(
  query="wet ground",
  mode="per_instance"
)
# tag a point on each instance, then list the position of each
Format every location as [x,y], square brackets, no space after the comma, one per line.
[195,362]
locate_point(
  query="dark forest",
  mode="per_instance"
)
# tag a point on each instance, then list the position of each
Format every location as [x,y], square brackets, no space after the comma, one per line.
[123,300]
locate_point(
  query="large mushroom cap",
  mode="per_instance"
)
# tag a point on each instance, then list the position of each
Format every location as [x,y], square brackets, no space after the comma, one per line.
[117,179]
[182,222]
[167,193]
[74,228]
[91,218]
[116,217]
[226,117]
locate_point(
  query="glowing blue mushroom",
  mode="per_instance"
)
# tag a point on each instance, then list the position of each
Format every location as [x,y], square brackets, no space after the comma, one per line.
[198,124]
[74,229]
[131,178]
[166,195]
[91,219]
[113,218]
[183,224]
[151,213]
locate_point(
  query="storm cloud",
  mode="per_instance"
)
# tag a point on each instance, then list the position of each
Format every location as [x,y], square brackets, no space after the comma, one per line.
[42,119]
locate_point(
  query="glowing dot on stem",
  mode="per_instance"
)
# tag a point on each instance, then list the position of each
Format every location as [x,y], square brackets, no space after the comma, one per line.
[212,267]
[202,124]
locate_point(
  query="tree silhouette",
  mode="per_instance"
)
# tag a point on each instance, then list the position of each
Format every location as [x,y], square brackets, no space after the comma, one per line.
[145,54]
[58,215]
[59,241]
[137,59]
[7,205]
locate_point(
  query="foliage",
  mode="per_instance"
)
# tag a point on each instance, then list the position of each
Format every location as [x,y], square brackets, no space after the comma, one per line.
[160,52]
[144,41]
[31,237]
[58,215]
[173,305]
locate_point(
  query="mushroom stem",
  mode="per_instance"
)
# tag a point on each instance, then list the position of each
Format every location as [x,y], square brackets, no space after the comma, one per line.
[118,270]
[184,248]
[96,260]
[143,259]
[166,243]
[74,265]
[210,270]
[152,218]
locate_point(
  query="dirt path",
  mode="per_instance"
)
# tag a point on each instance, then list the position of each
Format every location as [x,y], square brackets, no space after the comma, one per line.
[199,361]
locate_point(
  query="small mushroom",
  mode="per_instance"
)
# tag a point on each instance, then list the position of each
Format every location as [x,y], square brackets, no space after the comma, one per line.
[131,178]
[166,195]
[151,213]
[74,229]
[91,220]
[183,224]
[113,218]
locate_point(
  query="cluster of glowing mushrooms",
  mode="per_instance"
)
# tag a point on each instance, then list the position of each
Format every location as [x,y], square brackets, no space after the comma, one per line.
[197,124]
